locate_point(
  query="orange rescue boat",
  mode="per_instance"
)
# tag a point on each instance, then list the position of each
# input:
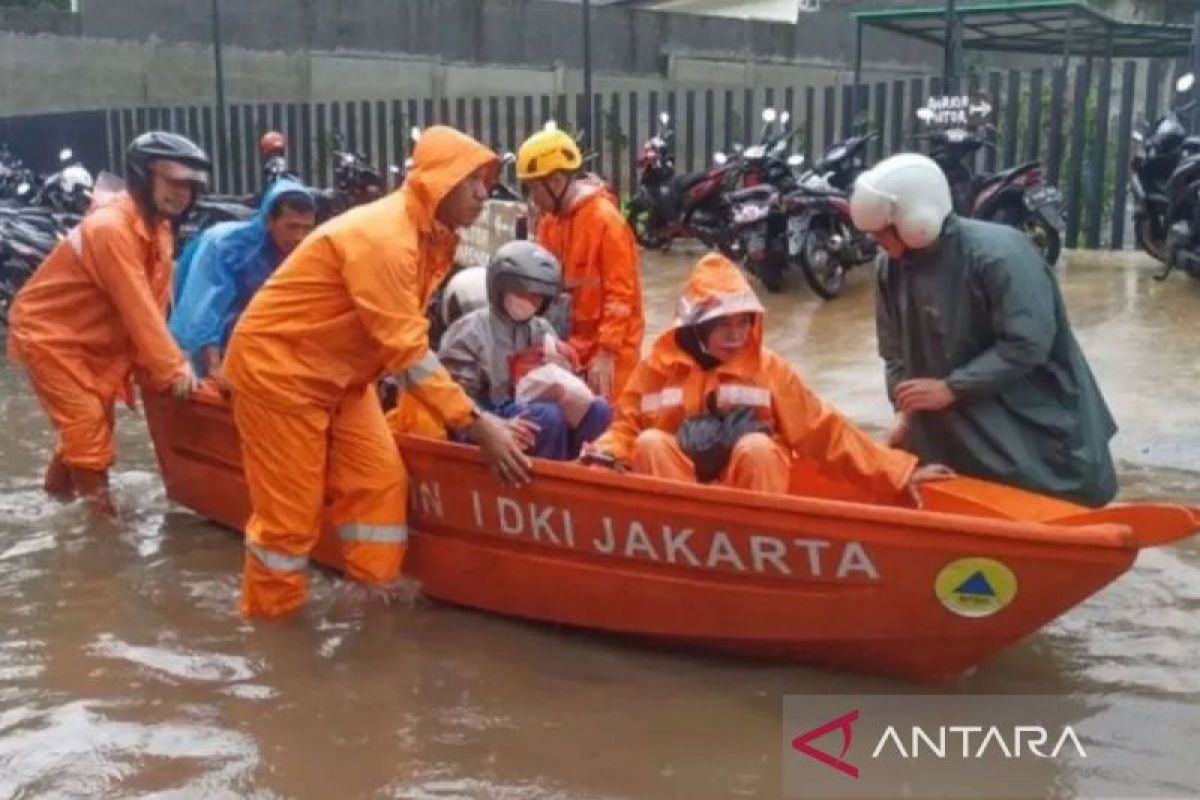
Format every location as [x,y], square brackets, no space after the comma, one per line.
[818,577]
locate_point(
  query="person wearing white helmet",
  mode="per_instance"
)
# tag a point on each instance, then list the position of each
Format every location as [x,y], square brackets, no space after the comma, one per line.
[981,364]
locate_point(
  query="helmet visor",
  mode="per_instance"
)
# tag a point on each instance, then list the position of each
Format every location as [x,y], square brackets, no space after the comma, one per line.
[178,171]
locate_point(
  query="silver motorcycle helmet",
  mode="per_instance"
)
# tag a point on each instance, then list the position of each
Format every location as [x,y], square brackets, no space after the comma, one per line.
[523,266]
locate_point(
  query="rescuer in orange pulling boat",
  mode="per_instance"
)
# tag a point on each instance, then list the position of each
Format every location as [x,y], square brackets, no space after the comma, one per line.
[346,307]
[581,225]
[97,306]
[710,403]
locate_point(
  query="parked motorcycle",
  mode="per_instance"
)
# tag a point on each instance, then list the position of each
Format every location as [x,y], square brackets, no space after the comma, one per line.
[667,206]
[1160,149]
[822,239]
[1018,197]
[759,218]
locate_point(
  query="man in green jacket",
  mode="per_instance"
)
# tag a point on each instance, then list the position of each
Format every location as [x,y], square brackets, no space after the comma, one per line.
[981,364]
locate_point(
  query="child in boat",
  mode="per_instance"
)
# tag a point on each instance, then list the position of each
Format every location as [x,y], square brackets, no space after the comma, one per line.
[710,403]
[489,350]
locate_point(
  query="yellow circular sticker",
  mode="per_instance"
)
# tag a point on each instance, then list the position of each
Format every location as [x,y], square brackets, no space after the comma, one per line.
[975,587]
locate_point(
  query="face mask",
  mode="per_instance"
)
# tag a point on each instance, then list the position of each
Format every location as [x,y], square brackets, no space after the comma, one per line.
[519,309]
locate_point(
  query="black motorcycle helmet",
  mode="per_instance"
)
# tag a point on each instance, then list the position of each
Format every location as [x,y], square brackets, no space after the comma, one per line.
[163,146]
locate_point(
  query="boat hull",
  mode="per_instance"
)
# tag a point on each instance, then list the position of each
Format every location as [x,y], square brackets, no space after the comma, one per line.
[832,583]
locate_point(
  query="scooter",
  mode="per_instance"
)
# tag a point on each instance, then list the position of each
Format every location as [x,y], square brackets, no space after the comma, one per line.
[1160,149]
[1018,197]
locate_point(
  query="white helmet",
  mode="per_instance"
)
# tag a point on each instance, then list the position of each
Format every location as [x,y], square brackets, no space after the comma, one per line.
[908,191]
[464,293]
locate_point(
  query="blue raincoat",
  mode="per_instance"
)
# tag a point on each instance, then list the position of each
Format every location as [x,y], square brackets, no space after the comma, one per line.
[218,273]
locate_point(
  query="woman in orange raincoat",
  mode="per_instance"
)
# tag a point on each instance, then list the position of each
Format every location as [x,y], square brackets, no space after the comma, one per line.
[579,222]
[747,410]
[97,306]
[347,306]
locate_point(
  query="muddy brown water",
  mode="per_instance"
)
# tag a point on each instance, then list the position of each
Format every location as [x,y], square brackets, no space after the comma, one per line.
[124,671]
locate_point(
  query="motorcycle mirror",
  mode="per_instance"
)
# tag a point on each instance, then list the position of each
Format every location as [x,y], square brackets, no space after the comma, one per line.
[795,160]
[784,118]
[720,158]
[550,125]
[65,154]
[508,158]
[737,148]
[925,114]
[1185,82]
[769,115]
[664,118]
[414,133]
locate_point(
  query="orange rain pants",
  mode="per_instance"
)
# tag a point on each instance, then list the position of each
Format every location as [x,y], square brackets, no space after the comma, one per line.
[757,462]
[94,309]
[349,453]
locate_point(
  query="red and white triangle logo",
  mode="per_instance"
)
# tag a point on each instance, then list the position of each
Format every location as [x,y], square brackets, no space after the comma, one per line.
[843,723]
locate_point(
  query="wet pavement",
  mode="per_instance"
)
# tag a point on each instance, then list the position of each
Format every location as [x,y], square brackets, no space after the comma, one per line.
[124,671]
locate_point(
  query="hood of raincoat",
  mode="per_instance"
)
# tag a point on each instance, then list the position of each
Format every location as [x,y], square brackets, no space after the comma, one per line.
[716,288]
[442,159]
[220,271]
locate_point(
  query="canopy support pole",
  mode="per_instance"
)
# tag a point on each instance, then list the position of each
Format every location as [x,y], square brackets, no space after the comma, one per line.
[950,50]
[858,37]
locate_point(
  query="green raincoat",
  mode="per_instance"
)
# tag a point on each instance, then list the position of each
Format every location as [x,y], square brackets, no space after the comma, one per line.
[982,310]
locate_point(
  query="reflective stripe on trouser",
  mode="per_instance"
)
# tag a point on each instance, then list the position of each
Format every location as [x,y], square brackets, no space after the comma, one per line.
[294,460]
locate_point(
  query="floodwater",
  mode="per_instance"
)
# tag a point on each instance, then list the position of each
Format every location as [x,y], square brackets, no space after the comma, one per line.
[124,671]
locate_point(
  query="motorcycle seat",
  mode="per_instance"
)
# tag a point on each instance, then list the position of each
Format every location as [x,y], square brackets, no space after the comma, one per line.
[685,182]
[764,193]
[30,236]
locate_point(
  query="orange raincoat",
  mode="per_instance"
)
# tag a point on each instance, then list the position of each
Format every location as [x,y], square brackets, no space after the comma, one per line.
[347,306]
[669,386]
[599,257]
[95,308]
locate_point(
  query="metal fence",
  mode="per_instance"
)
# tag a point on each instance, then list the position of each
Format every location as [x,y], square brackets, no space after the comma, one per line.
[1077,121]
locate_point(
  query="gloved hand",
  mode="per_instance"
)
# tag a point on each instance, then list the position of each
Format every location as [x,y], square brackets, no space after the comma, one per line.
[183,386]
[602,372]
[590,456]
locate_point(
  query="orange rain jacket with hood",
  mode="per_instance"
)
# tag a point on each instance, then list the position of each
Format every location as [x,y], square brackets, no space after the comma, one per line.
[669,386]
[94,309]
[599,257]
[347,306]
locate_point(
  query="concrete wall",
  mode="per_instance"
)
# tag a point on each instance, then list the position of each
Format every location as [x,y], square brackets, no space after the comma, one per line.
[45,73]
[512,32]
[24,20]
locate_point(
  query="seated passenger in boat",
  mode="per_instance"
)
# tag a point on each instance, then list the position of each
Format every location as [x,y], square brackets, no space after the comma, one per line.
[980,362]
[711,404]
[222,269]
[508,359]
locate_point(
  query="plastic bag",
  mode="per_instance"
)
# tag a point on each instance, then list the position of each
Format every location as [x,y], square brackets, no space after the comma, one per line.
[549,351]
[708,439]
[553,383]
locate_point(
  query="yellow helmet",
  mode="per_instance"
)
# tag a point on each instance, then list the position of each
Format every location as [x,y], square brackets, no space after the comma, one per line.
[547,152]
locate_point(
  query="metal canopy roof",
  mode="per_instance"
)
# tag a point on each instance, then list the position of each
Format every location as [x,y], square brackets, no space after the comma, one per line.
[1050,28]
